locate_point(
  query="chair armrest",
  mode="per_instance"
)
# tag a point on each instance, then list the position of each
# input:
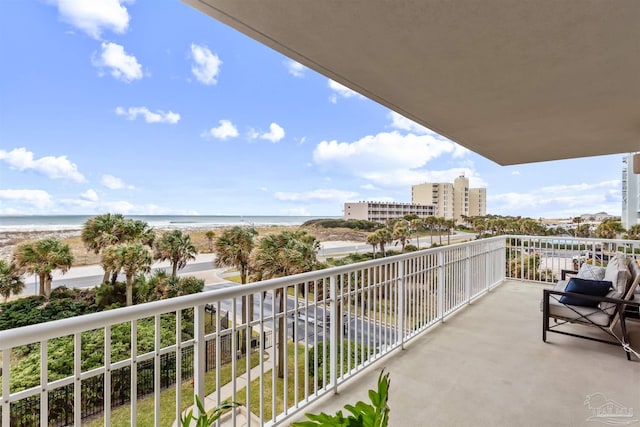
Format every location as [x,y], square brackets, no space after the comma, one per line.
[618,301]
[563,273]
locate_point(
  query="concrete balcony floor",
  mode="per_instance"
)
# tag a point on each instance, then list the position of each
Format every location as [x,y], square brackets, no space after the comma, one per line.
[488,366]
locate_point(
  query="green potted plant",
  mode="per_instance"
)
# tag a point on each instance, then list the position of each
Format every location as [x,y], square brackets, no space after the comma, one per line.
[205,420]
[374,414]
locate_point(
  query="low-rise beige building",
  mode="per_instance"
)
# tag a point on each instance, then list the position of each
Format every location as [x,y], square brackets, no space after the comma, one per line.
[383,211]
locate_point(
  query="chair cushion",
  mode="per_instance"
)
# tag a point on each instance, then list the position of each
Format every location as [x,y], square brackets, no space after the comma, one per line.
[591,272]
[617,272]
[578,313]
[576,285]
[575,313]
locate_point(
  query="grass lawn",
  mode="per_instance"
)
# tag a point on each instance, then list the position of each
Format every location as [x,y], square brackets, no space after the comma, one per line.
[234,278]
[267,385]
[145,408]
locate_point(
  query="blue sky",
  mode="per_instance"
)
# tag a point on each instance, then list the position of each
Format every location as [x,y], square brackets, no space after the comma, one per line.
[151,107]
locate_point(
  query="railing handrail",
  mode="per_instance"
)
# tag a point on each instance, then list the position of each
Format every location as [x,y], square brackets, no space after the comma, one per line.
[567,238]
[43,331]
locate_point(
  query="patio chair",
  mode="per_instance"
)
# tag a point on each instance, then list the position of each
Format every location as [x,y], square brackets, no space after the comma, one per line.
[597,303]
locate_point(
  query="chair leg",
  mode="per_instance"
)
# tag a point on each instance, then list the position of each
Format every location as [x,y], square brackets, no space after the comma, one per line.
[625,337]
[545,317]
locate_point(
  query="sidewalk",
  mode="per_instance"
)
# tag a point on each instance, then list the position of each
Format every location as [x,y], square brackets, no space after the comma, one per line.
[226,392]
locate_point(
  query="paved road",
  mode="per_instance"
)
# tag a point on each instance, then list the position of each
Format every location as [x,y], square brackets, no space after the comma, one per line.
[91,280]
[369,332]
[88,276]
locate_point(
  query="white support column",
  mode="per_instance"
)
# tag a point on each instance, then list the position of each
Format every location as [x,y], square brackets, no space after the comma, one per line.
[441,285]
[156,372]
[134,372]
[522,258]
[44,384]
[333,337]
[199,355]
[77,383]
[107,376]
[178,363]
[467,275]
[400,306]
[6,367]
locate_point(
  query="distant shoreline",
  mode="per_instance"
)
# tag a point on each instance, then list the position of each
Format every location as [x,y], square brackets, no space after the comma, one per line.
[71,236]
[54,223]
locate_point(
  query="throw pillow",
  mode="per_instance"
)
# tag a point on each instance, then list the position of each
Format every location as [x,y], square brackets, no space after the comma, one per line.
[598,288]
[591,272]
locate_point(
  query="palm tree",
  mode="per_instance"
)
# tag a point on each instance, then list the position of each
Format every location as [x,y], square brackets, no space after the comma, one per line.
[633,233]
[374,240]
[401,233]
[449,224]
[583,230]
[416,226]
[101,231]
[135,230]
[42,257]
[233,249]
[131,258]
[439,223]
[429,224]
[106,230]
[479,225]
[210,235]
[279,255]
[383,236]
[609,229]
[176,247]
[576,220]
[10,280]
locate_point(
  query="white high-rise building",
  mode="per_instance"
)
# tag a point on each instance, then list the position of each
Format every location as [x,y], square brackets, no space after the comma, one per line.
[630,198]
[452,200]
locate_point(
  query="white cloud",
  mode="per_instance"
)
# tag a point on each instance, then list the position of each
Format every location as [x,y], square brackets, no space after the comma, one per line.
[319,194]
[298,211]
[122,207]
[90,195]
[52,167]
[275,134]
[341,91]
[515,173]
[206,64]
[160,116]
[296,69]
[93,17]
[559,200]
[368,187]
[123,66]
[37,198]
[225,130]
[115,183]
[400,122]
[387,159]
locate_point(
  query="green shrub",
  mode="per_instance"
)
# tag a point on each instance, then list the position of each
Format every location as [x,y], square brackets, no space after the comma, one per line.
[354,224]
[374,414]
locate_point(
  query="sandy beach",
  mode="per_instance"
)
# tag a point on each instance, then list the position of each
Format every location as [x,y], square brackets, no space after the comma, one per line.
[9,239]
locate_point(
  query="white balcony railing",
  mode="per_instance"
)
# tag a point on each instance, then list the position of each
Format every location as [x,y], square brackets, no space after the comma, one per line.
[330,325]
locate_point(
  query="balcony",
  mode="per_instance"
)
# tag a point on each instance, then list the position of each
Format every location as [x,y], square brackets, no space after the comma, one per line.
[458,328]
[487,366]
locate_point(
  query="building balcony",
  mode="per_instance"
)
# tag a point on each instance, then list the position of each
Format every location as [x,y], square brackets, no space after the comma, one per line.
[457,327]
[488,366]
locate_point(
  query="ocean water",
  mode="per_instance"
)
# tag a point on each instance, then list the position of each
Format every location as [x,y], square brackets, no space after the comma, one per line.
[75,222]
